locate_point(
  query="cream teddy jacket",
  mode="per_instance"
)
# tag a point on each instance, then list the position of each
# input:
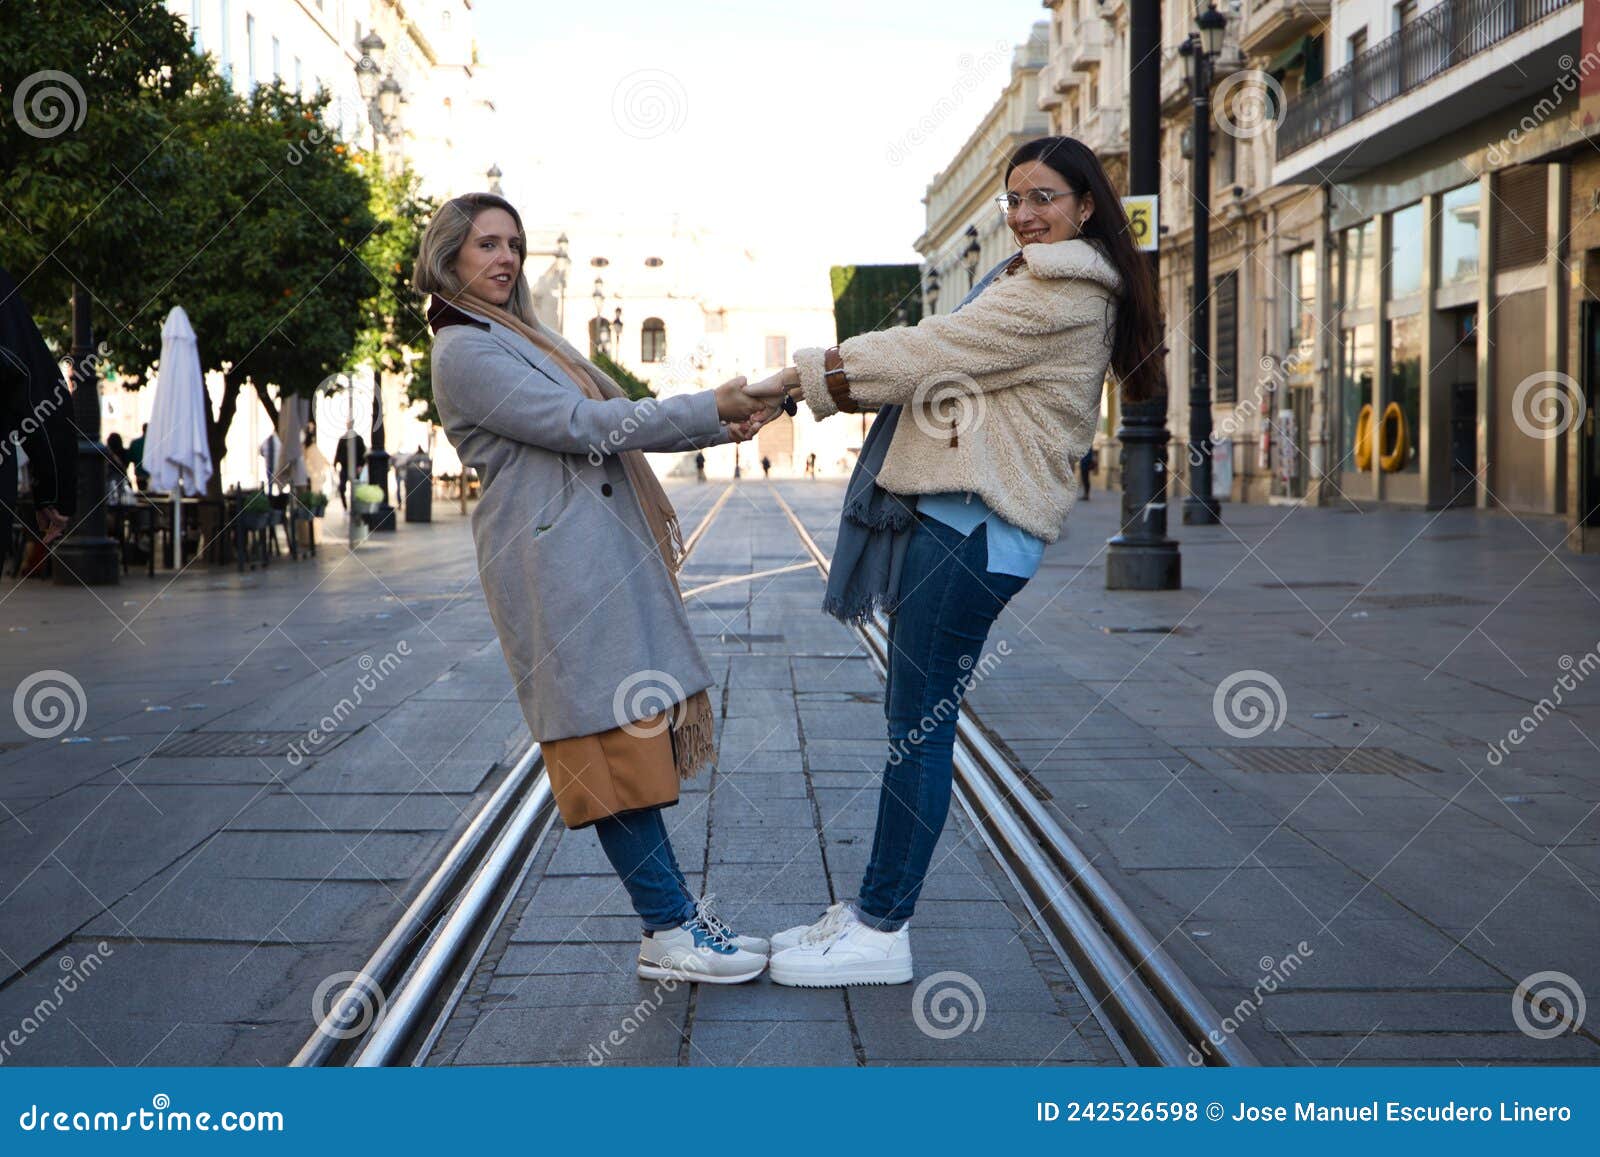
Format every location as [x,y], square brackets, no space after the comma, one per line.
[1001,398]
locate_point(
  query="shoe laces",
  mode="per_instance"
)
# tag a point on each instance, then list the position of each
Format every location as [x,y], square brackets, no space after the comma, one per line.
[716,928]
[832,923]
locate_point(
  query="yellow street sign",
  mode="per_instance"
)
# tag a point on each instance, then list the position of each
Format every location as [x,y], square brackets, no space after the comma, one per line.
[1143,221]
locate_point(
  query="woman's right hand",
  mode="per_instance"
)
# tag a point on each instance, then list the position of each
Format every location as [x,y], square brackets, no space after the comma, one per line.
[734,405]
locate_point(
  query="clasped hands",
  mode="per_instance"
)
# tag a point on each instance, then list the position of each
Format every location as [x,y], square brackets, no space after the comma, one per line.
[747,406]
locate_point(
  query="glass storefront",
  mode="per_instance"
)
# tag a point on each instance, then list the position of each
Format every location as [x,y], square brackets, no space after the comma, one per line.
[1458,235]
[1357,367]
[1358,266]
[1404,385]
[1301,323]
[1405,252]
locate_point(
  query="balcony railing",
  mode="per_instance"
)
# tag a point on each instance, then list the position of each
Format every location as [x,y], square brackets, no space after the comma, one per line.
[1434,42]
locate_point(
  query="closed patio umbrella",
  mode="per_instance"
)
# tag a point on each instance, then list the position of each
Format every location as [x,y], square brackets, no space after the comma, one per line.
[177,453]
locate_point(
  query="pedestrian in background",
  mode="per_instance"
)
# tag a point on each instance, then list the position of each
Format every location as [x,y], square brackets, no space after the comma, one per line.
[1086,467]
[141,476]
[342,463]
[578,552]
[35,416]
[700,466]
[766,466]
[941,528]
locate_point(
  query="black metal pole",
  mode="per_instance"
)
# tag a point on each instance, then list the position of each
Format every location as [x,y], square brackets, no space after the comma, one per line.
[1199,507]
[87,555]
[378,456]
[1142,557]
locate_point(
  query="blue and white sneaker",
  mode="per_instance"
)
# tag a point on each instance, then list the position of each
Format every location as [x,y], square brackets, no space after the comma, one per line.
[698,953]
[705,909]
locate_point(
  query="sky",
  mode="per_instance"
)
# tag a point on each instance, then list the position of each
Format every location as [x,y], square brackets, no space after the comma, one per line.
[805,127]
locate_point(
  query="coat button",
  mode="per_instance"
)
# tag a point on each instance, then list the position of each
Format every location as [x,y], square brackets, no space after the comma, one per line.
[605,488]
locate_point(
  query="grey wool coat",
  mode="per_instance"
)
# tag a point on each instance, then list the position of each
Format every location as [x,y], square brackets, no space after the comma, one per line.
[593,631]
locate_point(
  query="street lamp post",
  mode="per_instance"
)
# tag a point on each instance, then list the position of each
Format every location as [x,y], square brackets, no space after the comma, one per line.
[1142,557]
[383,104]
[87,554]
[1200,50]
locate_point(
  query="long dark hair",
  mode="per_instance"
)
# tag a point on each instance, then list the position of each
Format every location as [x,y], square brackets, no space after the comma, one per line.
[1136,356]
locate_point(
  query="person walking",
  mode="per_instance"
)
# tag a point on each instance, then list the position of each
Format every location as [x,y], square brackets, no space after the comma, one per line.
[35,416]
[141,476]
[811,465]
[578,549]
[1086,468]
[342,463]
[700,466]
[766,466]
[942,525]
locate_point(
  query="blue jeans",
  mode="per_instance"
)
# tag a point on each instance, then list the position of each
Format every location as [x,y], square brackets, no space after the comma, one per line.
[948,601]
[640,850]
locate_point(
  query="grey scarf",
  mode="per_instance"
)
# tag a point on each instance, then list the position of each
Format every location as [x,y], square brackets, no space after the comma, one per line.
[875,525]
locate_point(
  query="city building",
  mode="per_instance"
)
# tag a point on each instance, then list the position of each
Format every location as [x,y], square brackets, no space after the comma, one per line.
[685,309]
[1400,243]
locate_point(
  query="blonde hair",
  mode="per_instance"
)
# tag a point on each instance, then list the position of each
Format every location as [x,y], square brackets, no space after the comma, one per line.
[441,244]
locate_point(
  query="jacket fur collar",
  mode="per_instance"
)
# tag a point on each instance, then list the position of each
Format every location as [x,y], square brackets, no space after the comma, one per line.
[1072,259]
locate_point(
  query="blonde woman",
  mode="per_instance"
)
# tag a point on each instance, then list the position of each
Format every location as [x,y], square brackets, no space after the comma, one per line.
[578,549]
[967,473]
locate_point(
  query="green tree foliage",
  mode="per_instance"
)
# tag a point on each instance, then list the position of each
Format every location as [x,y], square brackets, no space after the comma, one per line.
[395,336]
[632,385]
[87,92]
[869,297]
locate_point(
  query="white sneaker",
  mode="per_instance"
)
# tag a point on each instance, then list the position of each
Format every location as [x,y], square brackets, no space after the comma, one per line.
[823,929]
[696,953]
[851,954]
[704,908]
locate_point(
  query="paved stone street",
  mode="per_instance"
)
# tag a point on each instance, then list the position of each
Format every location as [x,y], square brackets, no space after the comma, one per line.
[1356,812]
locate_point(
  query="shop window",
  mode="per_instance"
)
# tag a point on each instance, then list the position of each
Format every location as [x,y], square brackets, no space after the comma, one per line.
[1358,257]
[1459,222]
[1405,387]
[1405,252]
[1355,387]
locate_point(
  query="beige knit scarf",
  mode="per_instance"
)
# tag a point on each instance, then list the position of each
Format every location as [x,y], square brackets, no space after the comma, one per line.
[692,729]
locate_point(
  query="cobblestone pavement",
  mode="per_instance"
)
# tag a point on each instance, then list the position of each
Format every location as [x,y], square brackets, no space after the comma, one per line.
[1388,650]
[1349,773]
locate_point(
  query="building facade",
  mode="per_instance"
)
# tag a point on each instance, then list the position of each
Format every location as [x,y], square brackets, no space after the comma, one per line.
[684,309]
[1401,258]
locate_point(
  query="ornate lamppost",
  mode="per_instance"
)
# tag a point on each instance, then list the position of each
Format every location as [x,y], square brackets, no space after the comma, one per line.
[383,105]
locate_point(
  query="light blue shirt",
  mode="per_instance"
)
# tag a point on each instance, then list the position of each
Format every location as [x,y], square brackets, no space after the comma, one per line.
[1012,550]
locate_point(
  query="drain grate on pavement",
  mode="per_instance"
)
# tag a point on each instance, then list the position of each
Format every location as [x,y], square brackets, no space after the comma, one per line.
[224,744]
[733,637]
[1322,760]
[1408,602]
[1310,585]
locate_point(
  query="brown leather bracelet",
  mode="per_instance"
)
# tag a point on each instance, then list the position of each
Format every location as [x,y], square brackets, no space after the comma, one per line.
[838,384]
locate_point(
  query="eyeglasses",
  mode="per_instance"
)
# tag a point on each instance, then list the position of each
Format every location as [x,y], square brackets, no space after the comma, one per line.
[1036,198]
